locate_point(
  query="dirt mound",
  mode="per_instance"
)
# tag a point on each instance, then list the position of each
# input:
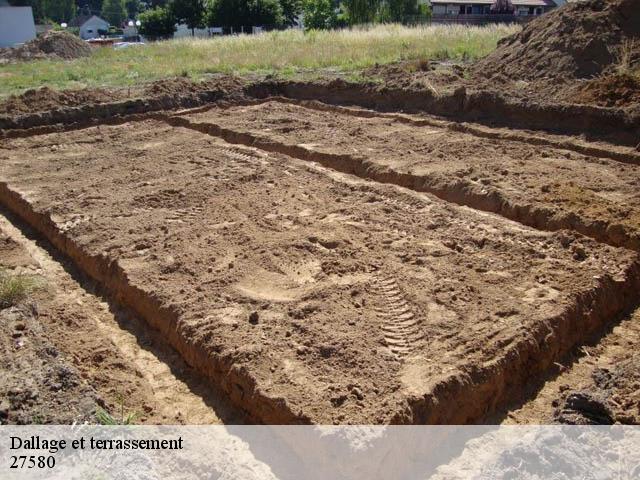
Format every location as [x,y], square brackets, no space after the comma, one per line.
[579,40]
[609,91]
[45,98]
[51,44]
[182,86]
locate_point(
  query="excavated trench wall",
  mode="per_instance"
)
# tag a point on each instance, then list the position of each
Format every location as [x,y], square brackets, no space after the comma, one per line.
[457,399]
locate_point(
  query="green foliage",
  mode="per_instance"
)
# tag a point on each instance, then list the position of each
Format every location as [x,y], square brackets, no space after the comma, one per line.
[291,9]
[319,14]
[244,13]
[157,23]
[114,12]
[15,288]
[400,9]
[133,7]
[286,52]
[59,10]
[105,418]
[361,11]
[190,12]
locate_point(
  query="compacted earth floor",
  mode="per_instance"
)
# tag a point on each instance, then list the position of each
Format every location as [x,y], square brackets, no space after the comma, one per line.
[308,294]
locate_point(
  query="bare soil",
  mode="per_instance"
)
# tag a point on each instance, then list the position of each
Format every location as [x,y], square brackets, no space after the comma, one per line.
[66,351]
[598,384]
[52,44]
[520,176]
[461,247]
[306,294]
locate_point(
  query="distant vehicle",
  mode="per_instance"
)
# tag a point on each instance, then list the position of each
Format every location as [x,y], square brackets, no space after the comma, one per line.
[121,45]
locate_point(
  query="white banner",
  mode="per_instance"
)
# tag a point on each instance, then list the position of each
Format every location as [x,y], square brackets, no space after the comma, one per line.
[320,452]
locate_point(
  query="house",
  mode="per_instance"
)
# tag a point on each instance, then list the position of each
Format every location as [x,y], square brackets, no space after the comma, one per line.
[91,26]
[523,8]
[16,25]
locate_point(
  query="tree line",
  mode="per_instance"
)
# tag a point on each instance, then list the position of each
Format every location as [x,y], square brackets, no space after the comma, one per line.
[159,17]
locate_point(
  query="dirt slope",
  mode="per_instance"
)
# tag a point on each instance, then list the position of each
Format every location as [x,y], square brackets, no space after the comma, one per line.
[579,40]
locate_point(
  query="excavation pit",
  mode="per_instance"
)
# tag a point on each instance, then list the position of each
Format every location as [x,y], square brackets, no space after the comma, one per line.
[305,293]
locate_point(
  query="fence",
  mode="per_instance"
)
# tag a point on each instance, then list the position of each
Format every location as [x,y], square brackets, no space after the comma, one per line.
[481,19]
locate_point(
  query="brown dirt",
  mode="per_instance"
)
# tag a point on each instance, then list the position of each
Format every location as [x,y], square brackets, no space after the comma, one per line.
[617,90]
[45,98]
[579,40]
[522,177]
[52,44]
[310,295]
[87,100]
[50,376]
[605,372]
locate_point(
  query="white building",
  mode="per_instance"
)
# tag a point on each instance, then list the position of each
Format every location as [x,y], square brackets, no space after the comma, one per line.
[16,25]
[90,26]
[483,7]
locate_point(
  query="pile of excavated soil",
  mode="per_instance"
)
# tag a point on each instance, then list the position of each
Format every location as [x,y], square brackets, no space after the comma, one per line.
[50,45]
[45,98]
[609,91]
[579,40]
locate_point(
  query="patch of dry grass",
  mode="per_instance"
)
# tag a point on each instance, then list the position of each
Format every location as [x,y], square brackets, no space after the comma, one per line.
[15,288]
[285,53]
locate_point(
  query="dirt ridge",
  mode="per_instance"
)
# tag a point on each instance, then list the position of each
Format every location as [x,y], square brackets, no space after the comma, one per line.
[612,124]
[459,192]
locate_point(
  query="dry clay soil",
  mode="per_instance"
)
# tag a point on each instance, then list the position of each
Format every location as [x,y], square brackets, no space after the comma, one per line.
[309,294]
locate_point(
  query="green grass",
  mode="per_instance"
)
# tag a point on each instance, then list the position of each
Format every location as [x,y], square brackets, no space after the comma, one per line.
[15,288]
[285,53]
[105,418]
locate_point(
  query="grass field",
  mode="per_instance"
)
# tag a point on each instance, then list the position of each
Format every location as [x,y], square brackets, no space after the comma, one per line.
[285,53]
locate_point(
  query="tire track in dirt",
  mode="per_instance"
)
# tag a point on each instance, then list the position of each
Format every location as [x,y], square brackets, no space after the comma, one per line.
[399,322]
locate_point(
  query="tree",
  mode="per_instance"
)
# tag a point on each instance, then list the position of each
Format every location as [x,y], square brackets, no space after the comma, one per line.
[400,9]
[244,13]
[59,10]
[291,9]
[319,14]
[361,11]
[114,12]
[132,7]
[89,7]
[157,23]
[190,12]
[36,7]
[503,7]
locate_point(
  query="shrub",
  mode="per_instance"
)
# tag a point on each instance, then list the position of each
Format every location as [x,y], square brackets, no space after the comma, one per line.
[157,23]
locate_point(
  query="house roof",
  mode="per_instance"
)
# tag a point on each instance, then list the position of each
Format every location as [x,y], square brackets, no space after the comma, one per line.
[82,19]
[516,3]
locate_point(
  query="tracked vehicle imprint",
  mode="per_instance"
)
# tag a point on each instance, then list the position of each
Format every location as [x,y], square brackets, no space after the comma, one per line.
[399,323]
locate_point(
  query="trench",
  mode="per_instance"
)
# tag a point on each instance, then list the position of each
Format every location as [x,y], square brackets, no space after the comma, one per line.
[178,393]
[462,398]
[458,192]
